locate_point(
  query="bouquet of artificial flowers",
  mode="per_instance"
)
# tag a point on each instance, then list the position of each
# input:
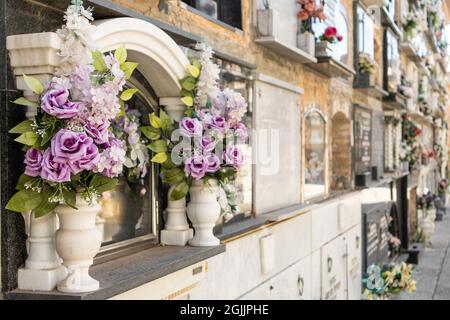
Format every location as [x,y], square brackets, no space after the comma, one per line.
[366,64]
[330,35]
[380,283]
[70,147]
[206,142]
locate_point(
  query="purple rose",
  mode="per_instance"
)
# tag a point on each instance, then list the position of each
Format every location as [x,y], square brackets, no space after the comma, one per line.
[240,130]
[213,163]
[98,132]
[33,161]
[56,103]
[196,166]
[219,123]
[52,170]
[234,156]
[75,149]
[88,161]
[190,127]
[207,144]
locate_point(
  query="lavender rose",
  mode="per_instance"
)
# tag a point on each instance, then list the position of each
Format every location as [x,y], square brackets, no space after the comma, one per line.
[98,132]
[56,102]
[213,163]
[33,161]
[207,144]
[52,170]
[88,161]
[69,146]
[240,130]
[219,123]
[196,166]
[234,156]
[190,127]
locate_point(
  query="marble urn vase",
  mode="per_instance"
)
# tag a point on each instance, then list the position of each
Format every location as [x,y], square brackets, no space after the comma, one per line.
[77,242]
[203,211]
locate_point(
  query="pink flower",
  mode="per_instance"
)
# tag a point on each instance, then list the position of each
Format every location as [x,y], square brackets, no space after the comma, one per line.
[330,32]
[234,156]
[213,163]
[340,38]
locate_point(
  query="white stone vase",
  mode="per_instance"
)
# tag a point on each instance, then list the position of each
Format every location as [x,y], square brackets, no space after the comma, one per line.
[306,42]
[77,242]
[203,210]
[431,215]
[323,49]
[426,227]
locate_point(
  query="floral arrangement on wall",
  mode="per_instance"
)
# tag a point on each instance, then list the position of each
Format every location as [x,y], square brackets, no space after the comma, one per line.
[413,23]
[331,35]
[443,187]
[309,11]
[366,64]
[410,148]
[405,87]
[70,145]
[382,282]
[211,130]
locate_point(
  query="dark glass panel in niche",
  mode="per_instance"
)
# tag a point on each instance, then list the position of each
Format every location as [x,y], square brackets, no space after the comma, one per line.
[314,155]
[392,62]
[362,134]
[377,144]
[129,211]
[227,11]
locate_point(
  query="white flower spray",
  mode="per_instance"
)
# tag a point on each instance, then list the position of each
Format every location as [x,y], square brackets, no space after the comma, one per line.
[207,85]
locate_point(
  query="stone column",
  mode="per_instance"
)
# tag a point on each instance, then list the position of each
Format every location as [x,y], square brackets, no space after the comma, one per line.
[36,55]
[176,230]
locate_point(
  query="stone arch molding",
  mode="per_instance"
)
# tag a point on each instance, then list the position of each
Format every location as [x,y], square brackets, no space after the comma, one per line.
[160,59]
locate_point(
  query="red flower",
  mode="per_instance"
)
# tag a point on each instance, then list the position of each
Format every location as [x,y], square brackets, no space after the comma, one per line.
[330,32]
[340,38]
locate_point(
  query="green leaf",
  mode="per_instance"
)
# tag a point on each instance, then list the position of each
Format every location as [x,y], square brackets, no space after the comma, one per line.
[121,54]
[167,123]
[188,83]
[150,132]
[173,176]
[25,102]
[70,198]
[128,68]
[193,70]
[122,109]
[155,121]
[99,61]
[33,84]
[158,146]
[197,64]
[186,93]
[27,138]
[188,101]
[102,183]
[128,94]
[22,180]
[24,126]
[160,157]
[24,200]
[179,192]
[45,206]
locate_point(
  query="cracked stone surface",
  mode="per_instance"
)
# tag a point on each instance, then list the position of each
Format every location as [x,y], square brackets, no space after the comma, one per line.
[433,271]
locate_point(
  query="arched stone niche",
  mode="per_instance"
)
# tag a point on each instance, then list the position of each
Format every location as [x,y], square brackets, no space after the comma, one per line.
[341,155]
[160,59]
[315,154]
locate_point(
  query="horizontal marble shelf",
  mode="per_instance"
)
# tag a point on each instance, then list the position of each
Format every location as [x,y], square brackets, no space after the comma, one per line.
[420,117]
[395,100]
[410,51]
[375,91]
[286,50]
[332,68]
[128,272]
